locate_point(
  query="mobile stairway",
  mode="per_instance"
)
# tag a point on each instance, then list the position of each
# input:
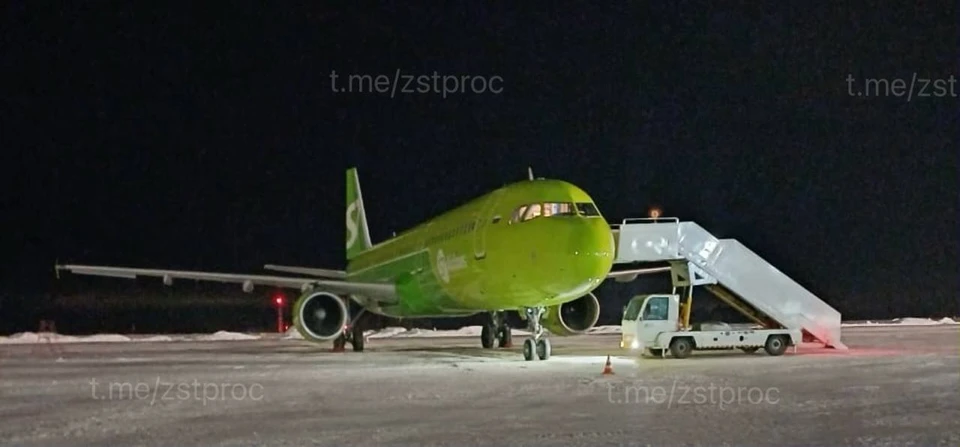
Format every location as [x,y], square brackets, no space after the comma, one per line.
[730,271]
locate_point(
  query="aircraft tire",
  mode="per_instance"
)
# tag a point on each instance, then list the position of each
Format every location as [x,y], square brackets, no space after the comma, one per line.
[487,336]
[529,349]
[339,343]
[356,339]
[505,337]
[544,350]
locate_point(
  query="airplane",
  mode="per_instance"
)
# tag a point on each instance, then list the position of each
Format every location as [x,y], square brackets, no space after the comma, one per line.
[538,247]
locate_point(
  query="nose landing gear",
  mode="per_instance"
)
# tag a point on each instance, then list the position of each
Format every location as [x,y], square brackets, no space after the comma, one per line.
[536,347]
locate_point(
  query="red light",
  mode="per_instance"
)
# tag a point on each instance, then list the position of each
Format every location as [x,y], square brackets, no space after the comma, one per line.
[278,300]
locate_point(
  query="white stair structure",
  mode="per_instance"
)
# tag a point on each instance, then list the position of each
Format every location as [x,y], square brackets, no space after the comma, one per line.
[731,271]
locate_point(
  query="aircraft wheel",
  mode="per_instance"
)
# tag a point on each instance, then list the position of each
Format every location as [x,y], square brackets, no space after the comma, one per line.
[340,343]
[543,349]
[356,338]
[487,336]
[529,349]
[505,339]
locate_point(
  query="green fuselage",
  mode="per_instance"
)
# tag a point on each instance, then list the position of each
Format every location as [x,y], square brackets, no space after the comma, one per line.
[485,256]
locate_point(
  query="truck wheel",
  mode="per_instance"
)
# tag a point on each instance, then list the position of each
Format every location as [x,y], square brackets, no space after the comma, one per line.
[750,350]
[776,345]
[681,347]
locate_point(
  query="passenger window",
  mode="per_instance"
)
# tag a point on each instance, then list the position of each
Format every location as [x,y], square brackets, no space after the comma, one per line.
[656,309]
[533,212]
[549,209]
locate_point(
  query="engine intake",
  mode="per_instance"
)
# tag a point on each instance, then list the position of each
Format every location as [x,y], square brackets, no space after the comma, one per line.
[573,317]
[320,316]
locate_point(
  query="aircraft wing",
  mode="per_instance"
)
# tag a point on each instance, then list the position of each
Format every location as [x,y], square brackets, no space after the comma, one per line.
[309,271]
[630,275]
[382,292]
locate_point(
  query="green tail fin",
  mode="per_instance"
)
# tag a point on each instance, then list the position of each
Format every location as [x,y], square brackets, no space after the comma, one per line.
[358,236]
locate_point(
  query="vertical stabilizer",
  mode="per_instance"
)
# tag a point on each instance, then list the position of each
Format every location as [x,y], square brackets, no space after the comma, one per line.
[358,235]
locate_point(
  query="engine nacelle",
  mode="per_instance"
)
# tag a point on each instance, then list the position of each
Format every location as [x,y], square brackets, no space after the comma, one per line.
[572,317]
[320,316]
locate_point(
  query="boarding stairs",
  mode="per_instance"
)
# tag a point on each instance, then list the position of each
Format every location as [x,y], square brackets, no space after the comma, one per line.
[729,270]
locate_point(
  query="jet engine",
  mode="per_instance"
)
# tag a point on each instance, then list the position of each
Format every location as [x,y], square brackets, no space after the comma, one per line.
[572,317]
[320,316]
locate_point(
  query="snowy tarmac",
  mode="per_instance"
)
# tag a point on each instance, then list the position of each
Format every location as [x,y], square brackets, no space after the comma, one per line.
[896,386]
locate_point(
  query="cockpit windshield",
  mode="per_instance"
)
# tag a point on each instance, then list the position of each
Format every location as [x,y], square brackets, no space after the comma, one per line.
[531,211]
[587,209]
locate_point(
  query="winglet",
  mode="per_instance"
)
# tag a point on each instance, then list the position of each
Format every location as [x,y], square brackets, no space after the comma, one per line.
[56,268]
[530,172]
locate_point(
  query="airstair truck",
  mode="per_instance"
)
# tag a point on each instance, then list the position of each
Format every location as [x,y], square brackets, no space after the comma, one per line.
[653,323]
[780,307]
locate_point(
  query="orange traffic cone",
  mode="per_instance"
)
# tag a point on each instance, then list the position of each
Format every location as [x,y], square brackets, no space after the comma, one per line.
[608,368]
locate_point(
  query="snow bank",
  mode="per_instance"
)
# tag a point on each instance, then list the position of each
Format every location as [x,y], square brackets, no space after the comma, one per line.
[155,338]
[908,321]
[48,337]
[227,336]
[292,334]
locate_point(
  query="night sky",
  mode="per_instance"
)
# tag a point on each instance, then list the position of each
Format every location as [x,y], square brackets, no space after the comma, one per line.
[205,138]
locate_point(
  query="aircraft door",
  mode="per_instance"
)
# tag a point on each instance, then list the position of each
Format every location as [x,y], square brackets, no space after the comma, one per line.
[482,222]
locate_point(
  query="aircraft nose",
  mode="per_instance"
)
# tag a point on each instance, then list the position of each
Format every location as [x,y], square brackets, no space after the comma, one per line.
[593,249]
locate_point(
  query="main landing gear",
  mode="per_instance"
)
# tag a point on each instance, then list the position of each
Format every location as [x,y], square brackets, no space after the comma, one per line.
[537,346]
[353,334]
[496,331]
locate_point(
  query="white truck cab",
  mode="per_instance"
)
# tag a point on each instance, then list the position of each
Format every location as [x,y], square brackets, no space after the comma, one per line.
[652,323]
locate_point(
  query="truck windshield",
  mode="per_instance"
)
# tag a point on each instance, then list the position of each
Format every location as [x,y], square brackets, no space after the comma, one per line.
[656,309]
[633,310]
